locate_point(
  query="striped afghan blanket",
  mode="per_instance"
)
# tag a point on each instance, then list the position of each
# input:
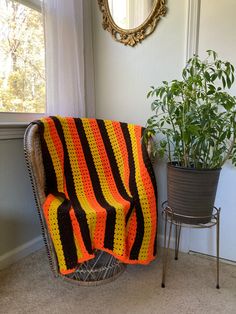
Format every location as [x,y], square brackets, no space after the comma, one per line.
[101,191]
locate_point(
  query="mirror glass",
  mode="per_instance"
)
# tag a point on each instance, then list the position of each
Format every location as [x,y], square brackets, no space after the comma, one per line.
[129,14]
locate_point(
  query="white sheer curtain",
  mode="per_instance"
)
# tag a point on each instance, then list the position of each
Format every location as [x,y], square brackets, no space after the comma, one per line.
[69,58]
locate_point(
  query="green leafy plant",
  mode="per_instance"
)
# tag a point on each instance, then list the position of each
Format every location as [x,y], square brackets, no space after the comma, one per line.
[195,116]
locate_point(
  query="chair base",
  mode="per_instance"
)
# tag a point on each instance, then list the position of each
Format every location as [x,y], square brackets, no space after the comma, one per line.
[102,269]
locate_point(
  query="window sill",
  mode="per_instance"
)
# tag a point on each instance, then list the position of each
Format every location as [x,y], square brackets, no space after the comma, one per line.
[13,125]
[12,131]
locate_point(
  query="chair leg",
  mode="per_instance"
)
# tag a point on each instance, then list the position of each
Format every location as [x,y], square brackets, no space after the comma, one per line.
[218,251]
[177,240]
[166,250]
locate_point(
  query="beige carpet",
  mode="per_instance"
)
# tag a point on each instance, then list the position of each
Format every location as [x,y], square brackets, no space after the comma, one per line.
[190,288]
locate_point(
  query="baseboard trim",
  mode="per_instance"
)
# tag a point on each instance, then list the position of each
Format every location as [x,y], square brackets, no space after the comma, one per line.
[20,252]
[212,257]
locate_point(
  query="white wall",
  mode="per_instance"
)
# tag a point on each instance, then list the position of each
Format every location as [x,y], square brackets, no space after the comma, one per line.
[19,224]
[217,32]
[123,76]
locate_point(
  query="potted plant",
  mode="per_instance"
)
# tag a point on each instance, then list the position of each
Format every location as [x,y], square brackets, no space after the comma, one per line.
[196,120]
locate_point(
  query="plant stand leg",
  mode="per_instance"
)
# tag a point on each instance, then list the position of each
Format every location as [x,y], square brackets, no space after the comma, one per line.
[166,249]
[177,240]
[218,250]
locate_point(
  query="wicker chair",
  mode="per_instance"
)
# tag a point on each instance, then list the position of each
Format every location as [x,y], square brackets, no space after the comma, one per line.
[104,267]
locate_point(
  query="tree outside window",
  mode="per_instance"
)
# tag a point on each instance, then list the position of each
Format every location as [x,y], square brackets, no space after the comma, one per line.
[22,64]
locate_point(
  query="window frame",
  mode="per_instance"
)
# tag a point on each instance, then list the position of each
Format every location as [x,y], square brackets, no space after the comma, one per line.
[10,119]
[33,4]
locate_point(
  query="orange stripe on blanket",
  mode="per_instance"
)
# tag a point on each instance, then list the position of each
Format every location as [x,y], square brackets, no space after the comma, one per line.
[106,166]
[50,208]
[79,239]
[134,132]
[77,178]
[59,149]
[107,182]
[124,155]
[46,207]
[56,152]
[88,187]
[116,138]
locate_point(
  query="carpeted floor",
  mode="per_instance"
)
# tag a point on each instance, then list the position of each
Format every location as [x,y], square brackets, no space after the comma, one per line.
[29,287]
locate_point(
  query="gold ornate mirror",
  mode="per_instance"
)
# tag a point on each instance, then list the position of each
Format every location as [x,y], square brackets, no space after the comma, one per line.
[131,21]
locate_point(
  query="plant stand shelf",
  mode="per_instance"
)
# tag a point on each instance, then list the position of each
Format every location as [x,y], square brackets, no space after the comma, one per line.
[175,219]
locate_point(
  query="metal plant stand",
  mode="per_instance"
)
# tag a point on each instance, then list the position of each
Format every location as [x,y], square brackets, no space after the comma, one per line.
[175,219]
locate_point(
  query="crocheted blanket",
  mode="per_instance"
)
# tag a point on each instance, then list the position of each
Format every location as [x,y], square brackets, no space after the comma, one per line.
[101,191]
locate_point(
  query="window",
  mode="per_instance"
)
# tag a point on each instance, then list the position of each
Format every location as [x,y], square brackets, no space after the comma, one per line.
[22,64]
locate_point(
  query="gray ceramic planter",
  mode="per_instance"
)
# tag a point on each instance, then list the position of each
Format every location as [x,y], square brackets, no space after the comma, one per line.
[192,192]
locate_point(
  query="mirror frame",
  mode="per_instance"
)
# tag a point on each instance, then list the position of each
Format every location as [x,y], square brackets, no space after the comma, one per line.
[136,35]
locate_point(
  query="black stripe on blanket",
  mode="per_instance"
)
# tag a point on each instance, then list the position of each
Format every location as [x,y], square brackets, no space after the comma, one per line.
[79,212]
[111,212]
[140,220]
